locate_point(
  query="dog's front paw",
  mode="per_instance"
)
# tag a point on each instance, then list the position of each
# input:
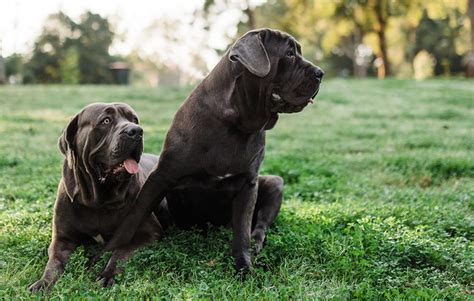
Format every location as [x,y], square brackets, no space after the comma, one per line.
[105,279]
[38,285]
[243,264]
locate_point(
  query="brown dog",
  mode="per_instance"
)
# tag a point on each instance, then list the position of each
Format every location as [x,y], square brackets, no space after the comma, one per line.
[209,168]
[101,178]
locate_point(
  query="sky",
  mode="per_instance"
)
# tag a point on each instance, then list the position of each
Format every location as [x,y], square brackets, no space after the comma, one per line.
[21,22]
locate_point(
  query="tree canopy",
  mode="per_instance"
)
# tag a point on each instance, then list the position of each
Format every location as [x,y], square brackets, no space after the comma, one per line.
[70,52]
[380,37]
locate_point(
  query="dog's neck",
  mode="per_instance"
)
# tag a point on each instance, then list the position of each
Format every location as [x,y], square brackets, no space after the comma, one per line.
[241,97]
[84,188]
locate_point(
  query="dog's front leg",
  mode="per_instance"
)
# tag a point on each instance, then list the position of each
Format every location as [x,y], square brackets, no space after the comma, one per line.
[59,252]
[149,197]
[242,212]
[106,278]
[149,230]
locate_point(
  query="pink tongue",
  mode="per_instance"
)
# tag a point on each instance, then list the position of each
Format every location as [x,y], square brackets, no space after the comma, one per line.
[131,166]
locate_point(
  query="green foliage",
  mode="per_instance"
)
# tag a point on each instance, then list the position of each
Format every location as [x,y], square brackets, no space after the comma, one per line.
[13,64]
[48,50]
[379,190]
[438,37]
[69,67]
[93,44]
[69,52]
[332,32]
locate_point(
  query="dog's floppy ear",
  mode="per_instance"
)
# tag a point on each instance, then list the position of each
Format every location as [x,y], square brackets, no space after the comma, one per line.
[298,47]
[251,53]
[66,141]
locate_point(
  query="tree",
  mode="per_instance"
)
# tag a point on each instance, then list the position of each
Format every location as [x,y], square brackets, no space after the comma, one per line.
[69,67]
[95,37]
[382,13]
[470,57]
[13,64]
[48,50]
[438,37]
[70,52]
[335,31]
[375,16]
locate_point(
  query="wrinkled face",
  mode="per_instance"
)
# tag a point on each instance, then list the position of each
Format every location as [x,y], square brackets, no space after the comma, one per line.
[110,140]
[296,81]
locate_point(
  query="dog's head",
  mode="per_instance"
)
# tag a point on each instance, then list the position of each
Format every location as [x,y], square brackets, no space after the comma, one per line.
[103,144]
[274,58]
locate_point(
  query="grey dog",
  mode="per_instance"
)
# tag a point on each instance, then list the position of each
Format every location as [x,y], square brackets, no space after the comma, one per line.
[209,167]
[102,173]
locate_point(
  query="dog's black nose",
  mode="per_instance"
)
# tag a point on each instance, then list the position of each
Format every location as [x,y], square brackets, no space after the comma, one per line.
[134,131]
[319,73]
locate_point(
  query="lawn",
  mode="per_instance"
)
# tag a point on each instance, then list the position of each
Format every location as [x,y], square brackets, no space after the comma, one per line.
[379,197]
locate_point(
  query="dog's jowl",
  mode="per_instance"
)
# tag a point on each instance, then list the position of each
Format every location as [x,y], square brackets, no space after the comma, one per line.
[209,168]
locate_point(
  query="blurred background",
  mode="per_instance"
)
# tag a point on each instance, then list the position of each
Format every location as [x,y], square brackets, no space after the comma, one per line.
[177,42]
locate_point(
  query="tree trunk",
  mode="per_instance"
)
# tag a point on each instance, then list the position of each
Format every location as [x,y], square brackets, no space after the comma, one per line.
[381,9]
[411,54]
[470,56]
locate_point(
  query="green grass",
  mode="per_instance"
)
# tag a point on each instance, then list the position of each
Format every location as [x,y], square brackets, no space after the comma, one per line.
[378,204]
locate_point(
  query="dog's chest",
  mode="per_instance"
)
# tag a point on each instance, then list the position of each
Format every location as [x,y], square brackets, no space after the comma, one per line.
[231,155]
[98,224]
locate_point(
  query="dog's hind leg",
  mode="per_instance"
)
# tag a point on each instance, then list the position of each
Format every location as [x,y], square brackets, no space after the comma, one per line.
[269,199]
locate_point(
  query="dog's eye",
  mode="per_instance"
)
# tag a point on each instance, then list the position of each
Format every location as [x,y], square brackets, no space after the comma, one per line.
[106,120]
[290,53]
[135,120]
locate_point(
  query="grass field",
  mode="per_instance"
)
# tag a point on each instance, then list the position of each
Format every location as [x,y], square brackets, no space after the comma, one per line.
[378,203]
